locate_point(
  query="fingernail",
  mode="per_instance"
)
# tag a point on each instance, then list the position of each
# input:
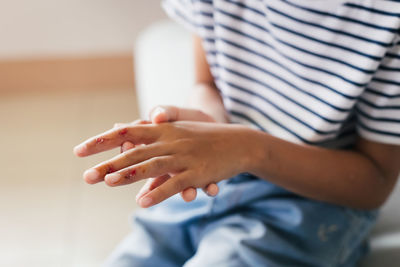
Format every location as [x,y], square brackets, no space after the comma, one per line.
[145,202]
[91,175]
[79,149]
[113,178]
[157,112]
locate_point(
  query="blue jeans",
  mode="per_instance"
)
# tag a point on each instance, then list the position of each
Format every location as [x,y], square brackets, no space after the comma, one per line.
[250,223]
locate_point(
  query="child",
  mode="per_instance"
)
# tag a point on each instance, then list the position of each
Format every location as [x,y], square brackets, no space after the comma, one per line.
[295,120]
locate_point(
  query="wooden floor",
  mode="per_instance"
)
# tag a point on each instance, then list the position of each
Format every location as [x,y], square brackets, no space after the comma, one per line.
[49,216]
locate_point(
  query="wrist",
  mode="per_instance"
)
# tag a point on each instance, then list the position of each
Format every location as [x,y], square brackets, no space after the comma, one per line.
[252,150]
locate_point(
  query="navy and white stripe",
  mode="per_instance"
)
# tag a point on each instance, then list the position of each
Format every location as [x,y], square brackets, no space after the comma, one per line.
[308,71]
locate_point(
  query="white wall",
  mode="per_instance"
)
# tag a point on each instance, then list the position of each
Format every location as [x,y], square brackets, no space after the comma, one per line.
[37,28]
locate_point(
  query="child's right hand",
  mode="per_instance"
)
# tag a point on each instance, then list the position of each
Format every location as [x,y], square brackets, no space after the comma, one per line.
[162,114]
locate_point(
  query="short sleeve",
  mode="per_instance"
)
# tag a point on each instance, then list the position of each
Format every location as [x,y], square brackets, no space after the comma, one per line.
[378,109]
[195,15]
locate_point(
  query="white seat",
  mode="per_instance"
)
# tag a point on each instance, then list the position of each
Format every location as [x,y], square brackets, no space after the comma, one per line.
[385,238]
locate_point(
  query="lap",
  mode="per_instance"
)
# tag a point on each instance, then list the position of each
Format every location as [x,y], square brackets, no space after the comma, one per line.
[248,240]
[279,230]
[151,244]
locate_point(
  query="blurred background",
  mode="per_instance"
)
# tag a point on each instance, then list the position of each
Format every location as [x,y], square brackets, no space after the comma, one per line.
[66,73]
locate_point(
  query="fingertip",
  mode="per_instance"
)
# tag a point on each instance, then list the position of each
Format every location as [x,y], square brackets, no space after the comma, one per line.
[112,179]
[80,150]
[138,196]
[127,146]
[145,202]
[189,194]
[141,193]
[159,115]
[212,190]
[160,118]
[91,176]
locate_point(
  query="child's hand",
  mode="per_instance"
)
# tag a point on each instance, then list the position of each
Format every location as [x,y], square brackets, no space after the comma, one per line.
[194,154]
[161,114]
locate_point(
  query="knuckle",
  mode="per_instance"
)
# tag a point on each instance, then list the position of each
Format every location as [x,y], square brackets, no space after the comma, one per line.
[161,194]
[130,155]
[174,112]
[131,128]
[179,184]
[185,145]
[125,156]
[167,128]
[158,163]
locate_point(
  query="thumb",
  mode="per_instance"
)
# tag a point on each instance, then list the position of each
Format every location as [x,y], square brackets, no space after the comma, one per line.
[164,114]
[127,146]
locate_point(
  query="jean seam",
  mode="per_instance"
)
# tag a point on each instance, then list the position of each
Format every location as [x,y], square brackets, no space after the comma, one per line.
[358,224]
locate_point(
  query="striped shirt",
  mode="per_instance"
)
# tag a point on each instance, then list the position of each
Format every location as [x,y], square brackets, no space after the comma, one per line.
[318,72]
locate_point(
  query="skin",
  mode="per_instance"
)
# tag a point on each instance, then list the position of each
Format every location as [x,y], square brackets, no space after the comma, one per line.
[162,114]
[195,153]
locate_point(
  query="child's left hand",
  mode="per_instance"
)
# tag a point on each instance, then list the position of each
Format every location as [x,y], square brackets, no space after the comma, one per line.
[194,154]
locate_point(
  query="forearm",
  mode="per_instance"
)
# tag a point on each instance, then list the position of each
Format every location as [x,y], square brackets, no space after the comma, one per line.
[341,177]
[205,97]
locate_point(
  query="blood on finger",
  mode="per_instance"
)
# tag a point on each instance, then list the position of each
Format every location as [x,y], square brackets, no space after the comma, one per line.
[110,170]
[100,140]
[123,132]
[131,174]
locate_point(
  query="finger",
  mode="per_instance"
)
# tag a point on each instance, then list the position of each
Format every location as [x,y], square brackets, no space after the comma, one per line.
[171,187]
[154,167]
[150,184]
[127,146]
[189,194]
[124,160]
[161,114]
[171,113]
[140,122]
[211,190]
[137,134]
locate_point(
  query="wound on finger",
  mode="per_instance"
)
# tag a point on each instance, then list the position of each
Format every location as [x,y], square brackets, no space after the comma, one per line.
[110,169]
[100,140]
[123,132]
[130,175]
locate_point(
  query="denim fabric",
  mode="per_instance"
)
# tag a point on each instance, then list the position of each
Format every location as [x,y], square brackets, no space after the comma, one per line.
[250,223]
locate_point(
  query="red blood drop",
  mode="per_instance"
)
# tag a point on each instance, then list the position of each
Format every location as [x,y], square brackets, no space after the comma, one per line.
[99,140]
[110,170]
[123,132]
